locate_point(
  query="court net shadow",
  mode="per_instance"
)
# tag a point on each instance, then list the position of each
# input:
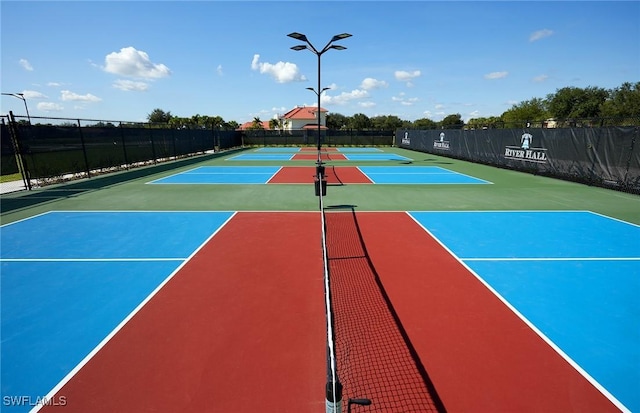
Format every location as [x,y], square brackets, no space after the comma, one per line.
[375,358]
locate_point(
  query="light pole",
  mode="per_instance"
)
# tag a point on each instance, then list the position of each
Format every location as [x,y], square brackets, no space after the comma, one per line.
[318,91]
[21,97]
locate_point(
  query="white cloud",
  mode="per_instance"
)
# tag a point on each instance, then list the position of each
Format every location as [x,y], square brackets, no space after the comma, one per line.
[32,94]
[130,62]
[439,106]
[219,70]
[367,104]
[541,78]
[282,72]
[540,34]
[344,97]
[49,107]
[496,75]
[404,101]
[405,76]
[129,85]
[371,83]
[26,65]
[67,95]
[54,84]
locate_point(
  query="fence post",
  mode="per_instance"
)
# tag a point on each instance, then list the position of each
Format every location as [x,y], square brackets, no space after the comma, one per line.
[17,148]
[84,151]
[633,143]
[124,146]
[173,142]
[153,146]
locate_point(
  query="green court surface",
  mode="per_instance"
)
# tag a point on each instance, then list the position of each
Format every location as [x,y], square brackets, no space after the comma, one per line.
[510,190]
[470,272]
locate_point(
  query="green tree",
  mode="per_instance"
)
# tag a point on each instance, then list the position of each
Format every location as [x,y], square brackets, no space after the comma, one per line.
[623,103]
[576,103]
[276,124]
[452,122]
[359,121]
[425,123]
[388,122]
[533,110]
[231,125]
[159,116]
[336,121]
[256,124]
[492,122]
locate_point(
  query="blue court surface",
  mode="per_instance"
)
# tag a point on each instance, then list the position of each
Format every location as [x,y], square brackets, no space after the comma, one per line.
[417,175]
[280,149]
[575,276]
[375,157]
[262,157]
[348,156]
[69,279]
[222,175]
[401,175]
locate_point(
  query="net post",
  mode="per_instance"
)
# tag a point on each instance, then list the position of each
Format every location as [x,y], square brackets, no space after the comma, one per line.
[320,180]
[333,397]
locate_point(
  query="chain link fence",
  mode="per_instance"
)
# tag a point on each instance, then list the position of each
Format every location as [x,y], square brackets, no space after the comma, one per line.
[55,150]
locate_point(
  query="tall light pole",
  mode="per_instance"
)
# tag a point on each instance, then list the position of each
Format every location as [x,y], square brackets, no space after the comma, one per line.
[318,91]
[21,97]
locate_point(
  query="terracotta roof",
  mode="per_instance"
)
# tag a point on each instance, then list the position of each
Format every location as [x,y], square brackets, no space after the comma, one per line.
[313,126]
[248,125]
[303,112]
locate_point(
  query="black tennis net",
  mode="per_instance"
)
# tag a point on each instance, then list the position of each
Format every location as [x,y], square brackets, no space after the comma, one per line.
[372,354]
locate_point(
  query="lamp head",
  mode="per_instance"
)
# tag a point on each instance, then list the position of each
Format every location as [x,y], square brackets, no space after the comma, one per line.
[298,36]
[340,36]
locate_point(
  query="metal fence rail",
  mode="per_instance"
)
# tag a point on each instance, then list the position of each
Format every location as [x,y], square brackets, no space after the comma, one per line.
[67,149]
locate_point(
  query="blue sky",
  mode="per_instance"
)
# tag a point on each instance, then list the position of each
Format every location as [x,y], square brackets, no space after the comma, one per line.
[119,60]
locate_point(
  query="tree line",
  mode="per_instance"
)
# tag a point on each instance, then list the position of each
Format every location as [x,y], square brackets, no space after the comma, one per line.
[568,106]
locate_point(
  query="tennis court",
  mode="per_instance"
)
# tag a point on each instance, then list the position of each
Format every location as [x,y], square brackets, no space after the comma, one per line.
[337,174]
[447,295]
[310,154]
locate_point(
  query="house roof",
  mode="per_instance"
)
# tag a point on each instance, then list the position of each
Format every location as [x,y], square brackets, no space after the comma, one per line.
[303,113]
[248,125]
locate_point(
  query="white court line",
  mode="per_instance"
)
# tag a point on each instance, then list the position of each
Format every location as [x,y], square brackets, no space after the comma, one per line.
[119,327]
[274,174]
[546,339]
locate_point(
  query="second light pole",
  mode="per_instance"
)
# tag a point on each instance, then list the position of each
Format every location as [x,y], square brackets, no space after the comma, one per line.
[319,53]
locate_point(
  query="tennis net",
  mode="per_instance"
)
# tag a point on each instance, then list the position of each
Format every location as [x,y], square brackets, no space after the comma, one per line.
[333,391]
[371,352]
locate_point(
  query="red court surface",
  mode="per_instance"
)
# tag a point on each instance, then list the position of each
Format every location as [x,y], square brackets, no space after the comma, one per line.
[324,156]
[241,327]
[305,175]
[480,356]
[315,149]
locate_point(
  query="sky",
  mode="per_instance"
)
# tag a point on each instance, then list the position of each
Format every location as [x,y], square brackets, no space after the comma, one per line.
[120,60]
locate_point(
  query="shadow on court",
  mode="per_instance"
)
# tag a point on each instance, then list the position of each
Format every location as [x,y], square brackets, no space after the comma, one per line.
[25,199]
